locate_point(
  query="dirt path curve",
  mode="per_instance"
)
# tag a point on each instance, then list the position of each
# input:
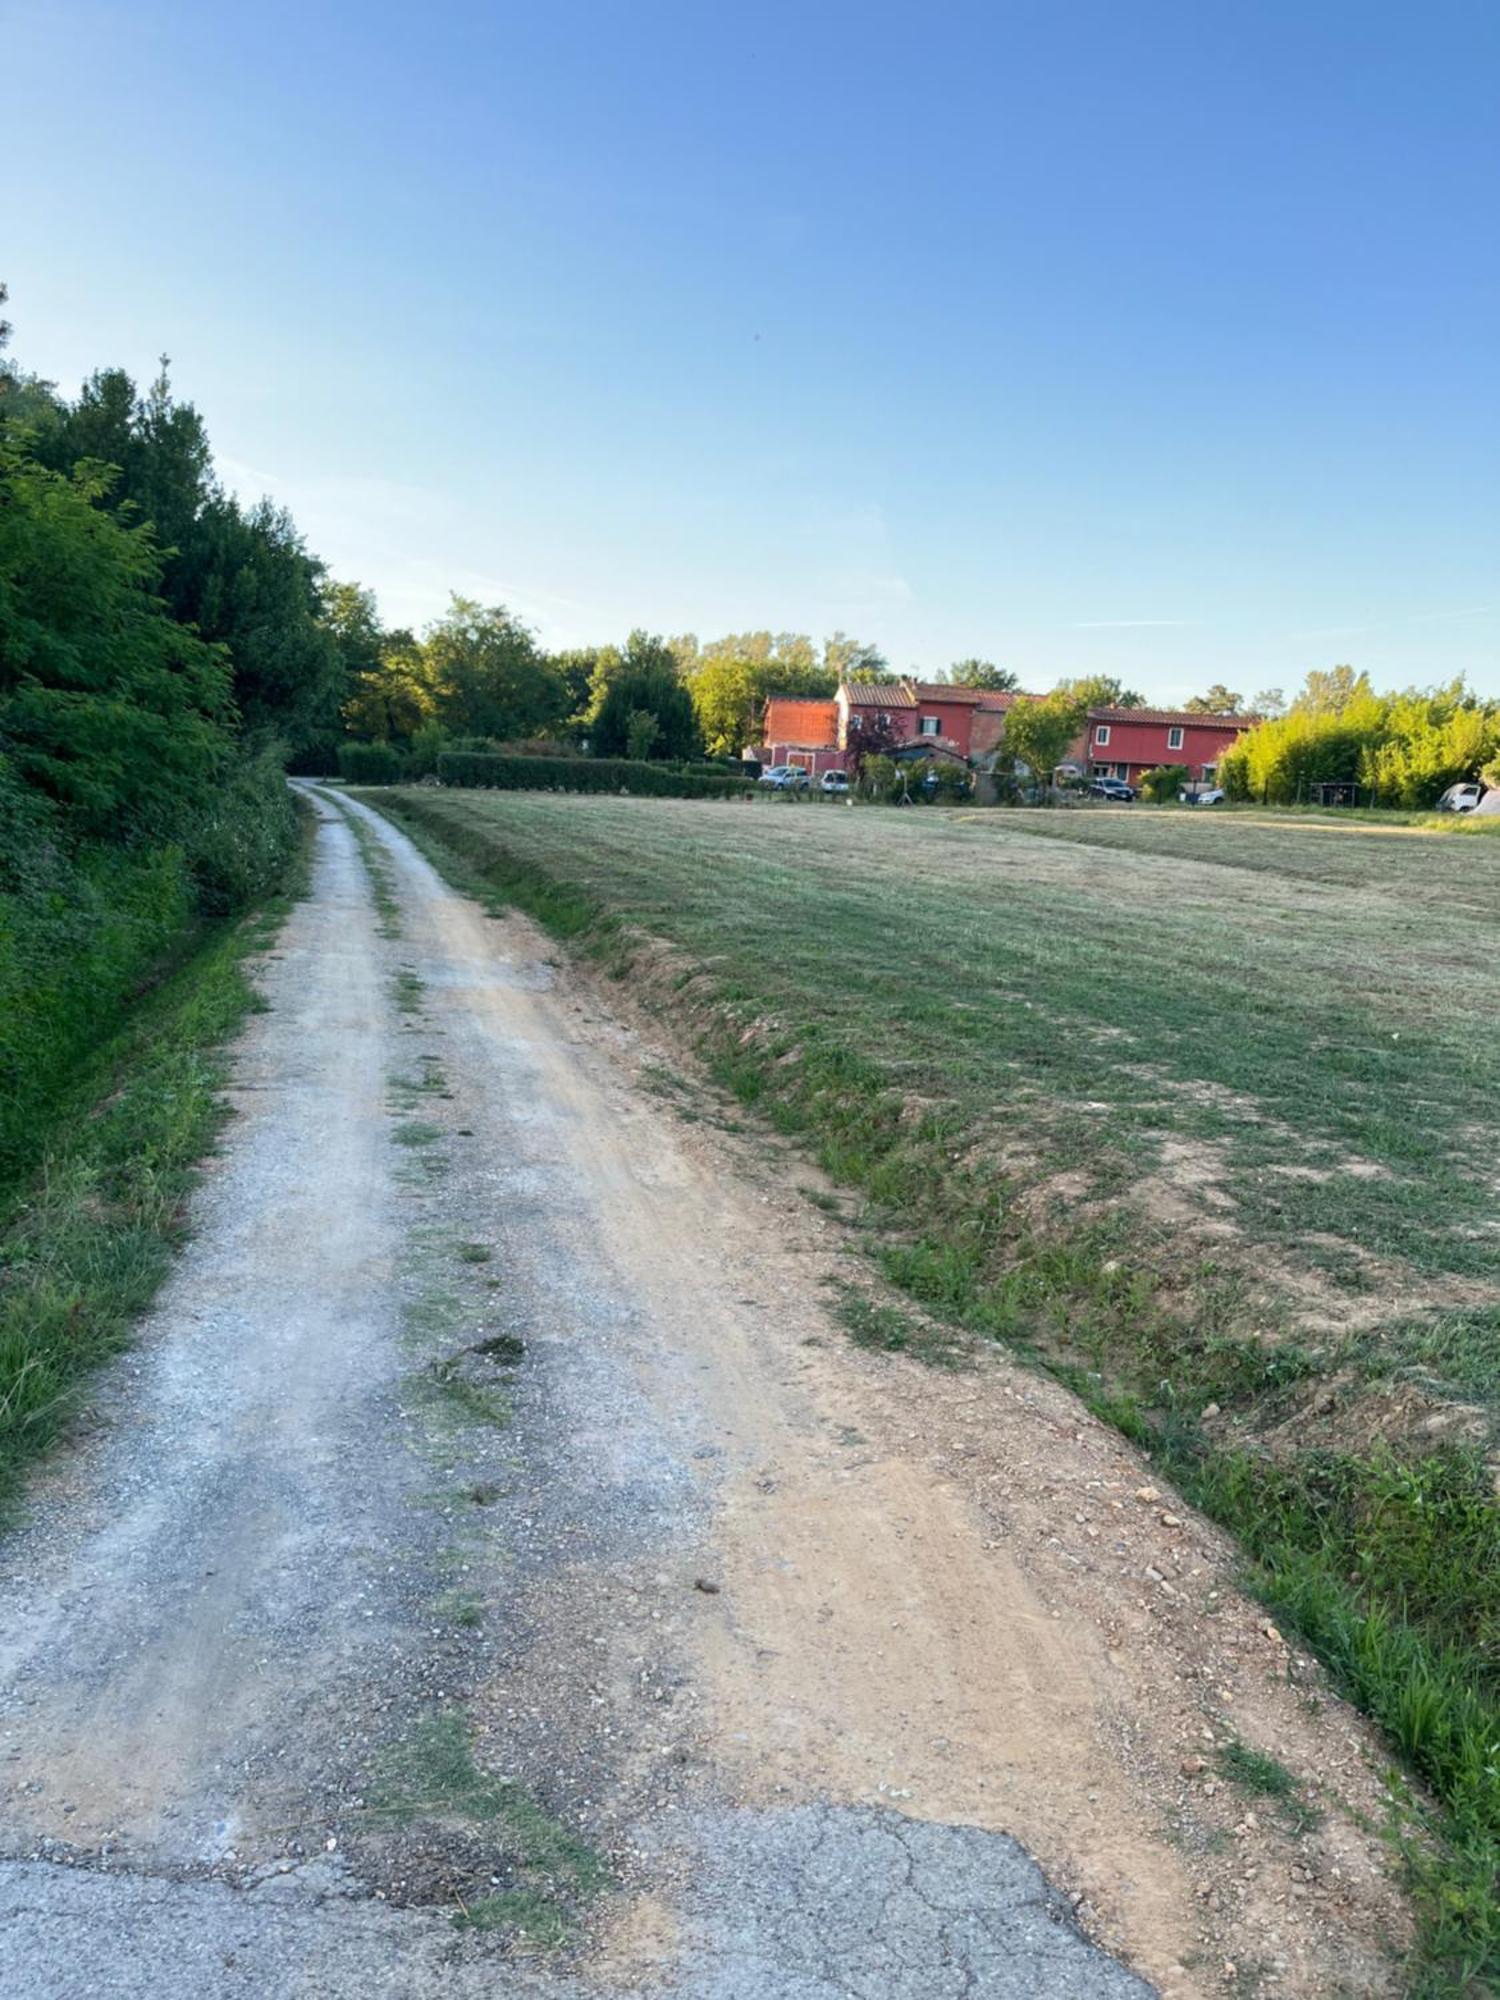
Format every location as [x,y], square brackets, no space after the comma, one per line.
[490,1524]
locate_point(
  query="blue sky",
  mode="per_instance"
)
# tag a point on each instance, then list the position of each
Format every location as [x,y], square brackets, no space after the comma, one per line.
[1154,337]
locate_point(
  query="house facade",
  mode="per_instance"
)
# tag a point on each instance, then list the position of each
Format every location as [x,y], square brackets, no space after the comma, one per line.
[795,731]
[1128,742]
[926,719]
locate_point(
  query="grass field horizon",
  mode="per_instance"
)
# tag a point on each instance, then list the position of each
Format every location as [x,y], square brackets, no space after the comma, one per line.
[1200,1113]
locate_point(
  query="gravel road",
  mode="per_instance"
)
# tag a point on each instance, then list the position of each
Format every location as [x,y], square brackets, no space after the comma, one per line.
[478,1580]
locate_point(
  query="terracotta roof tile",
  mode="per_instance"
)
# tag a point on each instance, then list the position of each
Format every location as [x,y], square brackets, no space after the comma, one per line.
[1185,716]
[869,694]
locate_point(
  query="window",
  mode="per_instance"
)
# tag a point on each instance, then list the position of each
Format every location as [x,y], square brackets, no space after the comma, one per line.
[928,726]
[1174,739]
[1101,734]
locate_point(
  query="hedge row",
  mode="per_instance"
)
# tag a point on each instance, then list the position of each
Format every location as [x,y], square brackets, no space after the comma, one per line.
[580,774]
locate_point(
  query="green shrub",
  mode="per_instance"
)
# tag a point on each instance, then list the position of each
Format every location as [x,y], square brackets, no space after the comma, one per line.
[86,926]
[371,763]
[581,774]
[239,849]
[1163,784]
[954,784]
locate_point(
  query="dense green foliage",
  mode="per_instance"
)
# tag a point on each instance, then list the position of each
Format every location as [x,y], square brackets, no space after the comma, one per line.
[487,771]
[239,576]
[646,682]
[155,641]
[1163,784]
[84,1246]
[1403,749]
[371,763]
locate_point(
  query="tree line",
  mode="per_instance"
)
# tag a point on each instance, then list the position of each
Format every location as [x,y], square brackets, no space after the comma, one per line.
[159,645]
[1403,749]
[479,673]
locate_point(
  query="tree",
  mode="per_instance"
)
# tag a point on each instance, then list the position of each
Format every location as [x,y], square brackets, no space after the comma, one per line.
[980,674]
[641,732]
[1269,703]
[396,699]
[580,669]
[489,676]
[1099,691]
[107,705]
[1330,691]
[736,675]
[852,660]
[1040,734]
[1219,700]
[646,678]
[242,576]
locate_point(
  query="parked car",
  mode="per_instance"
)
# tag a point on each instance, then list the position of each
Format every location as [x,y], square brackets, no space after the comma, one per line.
[835,781]
[1111,788]
[784,778]
[1203,795]
[1460,798]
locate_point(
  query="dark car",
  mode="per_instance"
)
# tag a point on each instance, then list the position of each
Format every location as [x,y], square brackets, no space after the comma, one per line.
[1111,788]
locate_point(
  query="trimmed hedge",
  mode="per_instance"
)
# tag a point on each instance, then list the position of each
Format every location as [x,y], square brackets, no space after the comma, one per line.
[582,774]
[371,764]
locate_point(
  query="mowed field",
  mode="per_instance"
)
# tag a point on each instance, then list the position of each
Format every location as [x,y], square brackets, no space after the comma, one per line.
[1204,1112]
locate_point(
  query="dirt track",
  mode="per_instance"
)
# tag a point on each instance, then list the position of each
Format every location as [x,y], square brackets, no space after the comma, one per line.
[482,1365]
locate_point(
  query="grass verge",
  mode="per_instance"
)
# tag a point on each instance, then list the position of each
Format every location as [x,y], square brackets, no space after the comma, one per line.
[795,974]
[85,1244]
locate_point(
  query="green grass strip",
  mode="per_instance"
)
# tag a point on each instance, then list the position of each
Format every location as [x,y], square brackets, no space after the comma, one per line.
[85,1245]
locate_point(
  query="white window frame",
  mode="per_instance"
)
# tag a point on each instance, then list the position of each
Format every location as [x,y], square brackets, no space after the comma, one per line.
[930,725]
[1101,733]
[1174,736]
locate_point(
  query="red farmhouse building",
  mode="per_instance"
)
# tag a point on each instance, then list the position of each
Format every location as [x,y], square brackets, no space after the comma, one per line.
[1127,742]
[926,718]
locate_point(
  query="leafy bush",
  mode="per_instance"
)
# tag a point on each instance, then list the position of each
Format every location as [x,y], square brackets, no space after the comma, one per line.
[1405,749]
[955,785]
[372,763]
[86,927]
[1163,784]
[241,844]
[581,774]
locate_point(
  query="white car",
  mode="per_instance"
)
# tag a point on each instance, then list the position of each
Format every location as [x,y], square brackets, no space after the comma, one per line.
[784,778]
[1210,795]
[834,781]
[1460,798]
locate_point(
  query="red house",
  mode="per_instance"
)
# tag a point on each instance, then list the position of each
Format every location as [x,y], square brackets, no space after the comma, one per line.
[927,719]
[802,732]
[1127,742]
[926,716]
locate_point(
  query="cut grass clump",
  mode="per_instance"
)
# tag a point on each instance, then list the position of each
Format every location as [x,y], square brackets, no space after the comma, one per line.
[1266,1777]
[474,1253]
[433,1775]
[413,1132]
[407,989]
[451,1381]
[891,1331]
[505,1348]
[542,1922]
